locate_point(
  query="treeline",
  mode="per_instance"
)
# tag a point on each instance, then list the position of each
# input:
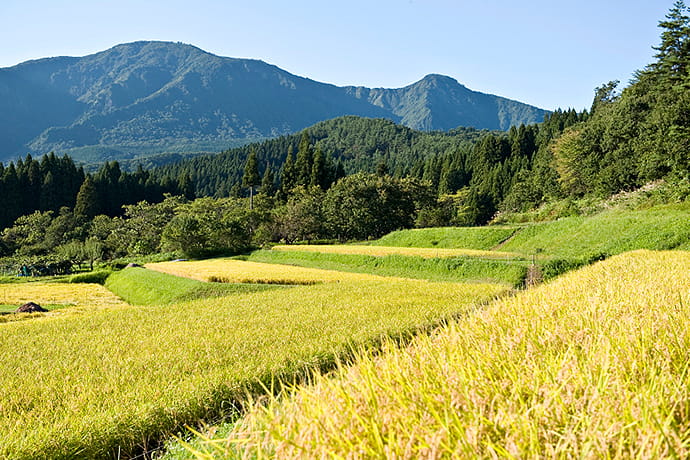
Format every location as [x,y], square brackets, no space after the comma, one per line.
[54,183]
[640,134]
[358,206]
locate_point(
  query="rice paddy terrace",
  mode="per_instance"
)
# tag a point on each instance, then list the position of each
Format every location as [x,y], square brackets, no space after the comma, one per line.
[428,322]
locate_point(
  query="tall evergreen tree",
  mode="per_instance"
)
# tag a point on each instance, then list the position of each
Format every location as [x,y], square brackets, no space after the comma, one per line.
[268,182]
[288,179]
[88,204]
[304,161]
[251,177]
[673,54]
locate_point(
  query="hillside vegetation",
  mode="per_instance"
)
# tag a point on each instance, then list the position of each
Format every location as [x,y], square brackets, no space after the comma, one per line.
[594,364]
[480,238]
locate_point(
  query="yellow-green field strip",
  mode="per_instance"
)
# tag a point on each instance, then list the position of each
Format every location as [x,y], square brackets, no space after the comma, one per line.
[381,251]
[595,364]
[239,271]
[103,384]
[79,297]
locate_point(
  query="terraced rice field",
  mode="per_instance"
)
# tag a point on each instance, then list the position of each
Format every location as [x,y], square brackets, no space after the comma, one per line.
[381,251]
[111,382]
[75,298]
[239,271]
[592,365]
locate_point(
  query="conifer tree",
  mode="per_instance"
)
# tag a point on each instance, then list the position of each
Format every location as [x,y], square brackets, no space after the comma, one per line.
[304,161]
[251,176]
[673,56]
[87,204]
[287,176]
[268,181]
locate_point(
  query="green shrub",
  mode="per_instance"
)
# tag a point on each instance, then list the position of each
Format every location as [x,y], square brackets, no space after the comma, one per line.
[96,277]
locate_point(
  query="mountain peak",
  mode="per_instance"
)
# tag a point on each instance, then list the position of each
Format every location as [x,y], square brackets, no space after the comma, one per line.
[161,96]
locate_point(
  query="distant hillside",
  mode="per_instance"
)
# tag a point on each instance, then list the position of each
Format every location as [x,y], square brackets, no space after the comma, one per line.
[143,98]
[358,144]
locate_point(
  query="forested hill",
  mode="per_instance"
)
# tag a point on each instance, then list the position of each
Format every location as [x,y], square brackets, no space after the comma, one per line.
[351,144]
[143,98]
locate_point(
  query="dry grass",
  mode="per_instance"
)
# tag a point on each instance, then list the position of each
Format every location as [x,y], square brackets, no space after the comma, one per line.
[592,365]
[239,271]
[380,251]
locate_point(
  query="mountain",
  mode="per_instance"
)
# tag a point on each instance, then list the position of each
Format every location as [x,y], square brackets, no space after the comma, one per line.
[149,97]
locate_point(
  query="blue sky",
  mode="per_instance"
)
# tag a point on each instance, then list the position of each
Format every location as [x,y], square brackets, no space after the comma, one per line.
[547,53]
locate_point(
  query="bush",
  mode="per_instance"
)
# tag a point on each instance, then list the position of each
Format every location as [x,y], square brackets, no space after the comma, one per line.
[557,267]
[97,277]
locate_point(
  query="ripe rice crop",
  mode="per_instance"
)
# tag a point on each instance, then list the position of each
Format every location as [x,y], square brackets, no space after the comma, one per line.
[380,251]
[104,384]
[458,269]
[592,365]
[240,271]
[79,297]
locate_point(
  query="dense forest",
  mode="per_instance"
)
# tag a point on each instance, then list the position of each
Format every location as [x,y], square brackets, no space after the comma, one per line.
[357,178]
[350,144]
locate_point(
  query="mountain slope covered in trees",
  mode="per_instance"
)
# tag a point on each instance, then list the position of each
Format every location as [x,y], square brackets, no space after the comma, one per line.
[147,97]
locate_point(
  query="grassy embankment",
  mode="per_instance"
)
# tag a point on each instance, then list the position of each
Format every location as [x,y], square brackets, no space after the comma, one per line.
[592,365]
[478,238]
[560,246]
[139,286]
[613,232]
[609,232]
[106,383]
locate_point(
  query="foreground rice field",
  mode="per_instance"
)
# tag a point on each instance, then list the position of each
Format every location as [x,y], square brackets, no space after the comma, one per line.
[104,384]
[592,365]
[240,271]
[380,251]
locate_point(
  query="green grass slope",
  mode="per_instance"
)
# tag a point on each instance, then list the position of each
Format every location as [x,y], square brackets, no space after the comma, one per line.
[139,286]
[613,232]
[484,238]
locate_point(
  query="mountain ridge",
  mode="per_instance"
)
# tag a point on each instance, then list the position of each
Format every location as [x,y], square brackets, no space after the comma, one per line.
[152,97]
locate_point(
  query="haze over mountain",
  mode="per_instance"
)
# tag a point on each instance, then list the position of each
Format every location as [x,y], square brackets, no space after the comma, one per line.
[150,97]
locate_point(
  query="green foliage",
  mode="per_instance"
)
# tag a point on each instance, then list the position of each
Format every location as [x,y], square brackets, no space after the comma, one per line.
[361,206]
[96,277]
[206,227]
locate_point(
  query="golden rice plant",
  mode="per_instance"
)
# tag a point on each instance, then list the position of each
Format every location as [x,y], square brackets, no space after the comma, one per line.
[380,251]
[103,384]
[239,271]
[593,365]
[80,297]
